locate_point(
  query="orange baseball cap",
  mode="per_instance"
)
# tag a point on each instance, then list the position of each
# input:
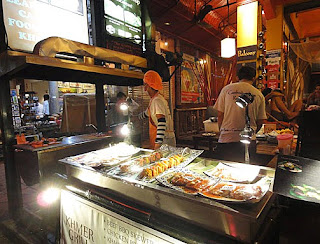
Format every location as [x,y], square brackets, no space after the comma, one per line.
[153,79]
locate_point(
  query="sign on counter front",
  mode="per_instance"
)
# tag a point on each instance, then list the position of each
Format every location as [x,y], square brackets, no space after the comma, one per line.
[82,221]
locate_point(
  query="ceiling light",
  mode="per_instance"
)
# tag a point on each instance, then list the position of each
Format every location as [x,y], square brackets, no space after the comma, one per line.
[228,47]
[167,23]
[166,43]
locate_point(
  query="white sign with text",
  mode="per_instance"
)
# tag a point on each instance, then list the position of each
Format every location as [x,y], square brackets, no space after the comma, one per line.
[82,221]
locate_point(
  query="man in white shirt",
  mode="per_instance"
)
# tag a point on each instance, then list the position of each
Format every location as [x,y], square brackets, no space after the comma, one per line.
[38,108]
[46,110]
[231,118]
[161,129]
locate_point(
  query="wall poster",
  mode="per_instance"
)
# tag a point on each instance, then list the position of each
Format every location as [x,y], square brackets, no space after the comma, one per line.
[82,221]
[190,89]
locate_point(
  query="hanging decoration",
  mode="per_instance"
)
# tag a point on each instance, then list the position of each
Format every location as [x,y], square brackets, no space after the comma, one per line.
[205,71]
[307,51]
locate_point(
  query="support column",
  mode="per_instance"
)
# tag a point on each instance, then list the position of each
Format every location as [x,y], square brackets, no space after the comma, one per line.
[14,193]
[100,108]
[54,97]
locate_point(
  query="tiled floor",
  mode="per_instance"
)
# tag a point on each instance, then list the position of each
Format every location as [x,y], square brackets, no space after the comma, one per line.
[3,194]
[29,195]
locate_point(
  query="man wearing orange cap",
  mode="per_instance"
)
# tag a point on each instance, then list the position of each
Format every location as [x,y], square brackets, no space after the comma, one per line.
[158,112]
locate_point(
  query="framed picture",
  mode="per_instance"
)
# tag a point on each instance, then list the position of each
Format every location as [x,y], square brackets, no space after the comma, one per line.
[87,86]
[62,84]
[75,84]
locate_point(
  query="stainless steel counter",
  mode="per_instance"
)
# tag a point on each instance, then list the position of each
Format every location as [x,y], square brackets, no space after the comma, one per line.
[239,221]
[35,164]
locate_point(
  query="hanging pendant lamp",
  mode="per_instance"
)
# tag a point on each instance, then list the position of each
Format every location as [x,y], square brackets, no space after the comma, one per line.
[228,45]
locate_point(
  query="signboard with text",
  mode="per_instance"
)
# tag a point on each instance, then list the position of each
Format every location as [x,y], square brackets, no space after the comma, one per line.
[123,19]
[30,21]
[247,53]
[273,58]
[82,221]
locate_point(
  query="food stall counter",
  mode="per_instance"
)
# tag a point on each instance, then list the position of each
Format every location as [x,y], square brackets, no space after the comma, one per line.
[236,219]
[35,164]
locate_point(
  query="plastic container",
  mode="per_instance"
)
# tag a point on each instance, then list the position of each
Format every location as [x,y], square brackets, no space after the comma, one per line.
[210,126]
[284,143]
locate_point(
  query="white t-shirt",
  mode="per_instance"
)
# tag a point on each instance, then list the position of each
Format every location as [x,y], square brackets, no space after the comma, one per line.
[234,116]
[46,107]
[39,110]
[159,105]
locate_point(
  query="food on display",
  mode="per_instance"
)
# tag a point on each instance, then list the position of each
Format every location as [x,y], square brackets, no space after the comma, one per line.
[109,156]
[44,142]
[136,165]
[234,174]
[229,191]
[186,181]
[290,166]
[189,182]
[280,132]
[157,168]
[285,131]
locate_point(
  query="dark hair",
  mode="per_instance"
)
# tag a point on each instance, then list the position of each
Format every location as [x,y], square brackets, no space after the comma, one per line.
[121,95]
[46,97]
[246,72]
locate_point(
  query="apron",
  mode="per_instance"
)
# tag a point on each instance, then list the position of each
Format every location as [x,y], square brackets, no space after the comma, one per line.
[152,128]
[171,140]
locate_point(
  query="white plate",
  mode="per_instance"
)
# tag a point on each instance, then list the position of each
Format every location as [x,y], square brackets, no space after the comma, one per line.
[240,174]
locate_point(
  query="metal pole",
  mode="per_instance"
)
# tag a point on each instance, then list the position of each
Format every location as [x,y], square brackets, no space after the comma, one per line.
[246,154]
[14,193]
[54,97]
[100,108]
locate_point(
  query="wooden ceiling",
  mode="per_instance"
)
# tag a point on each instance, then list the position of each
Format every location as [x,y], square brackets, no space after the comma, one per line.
[180,18]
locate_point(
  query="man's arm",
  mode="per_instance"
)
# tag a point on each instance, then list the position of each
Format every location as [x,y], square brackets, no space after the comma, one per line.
[283,108]
[220,118]
[161,129]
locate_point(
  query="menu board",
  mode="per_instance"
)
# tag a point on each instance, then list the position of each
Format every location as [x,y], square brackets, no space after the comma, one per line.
[123,19]
[30,21]
[298,178]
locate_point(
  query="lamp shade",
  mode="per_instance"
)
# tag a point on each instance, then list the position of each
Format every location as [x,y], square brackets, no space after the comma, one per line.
[228,47]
